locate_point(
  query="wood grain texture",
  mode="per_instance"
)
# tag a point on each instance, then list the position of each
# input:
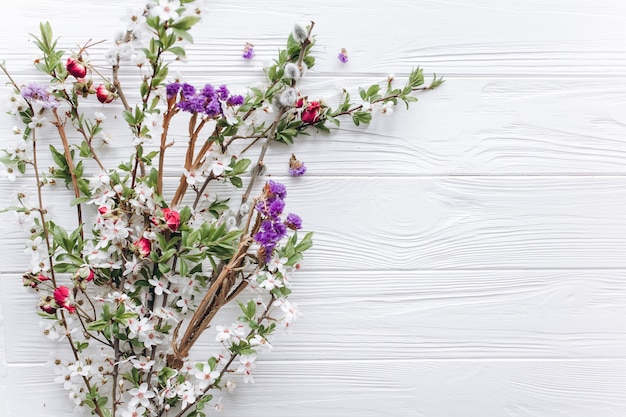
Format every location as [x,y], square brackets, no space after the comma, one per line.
[469,252]
[418,223]
[437,315]
[395,388]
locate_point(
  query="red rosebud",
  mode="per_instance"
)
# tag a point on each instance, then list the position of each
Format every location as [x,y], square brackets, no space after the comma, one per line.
[76,68]
[143,246]
[103,210]
[62,296]
[104,94]
[299,102]
[172,219]
[311,114]
[42,278]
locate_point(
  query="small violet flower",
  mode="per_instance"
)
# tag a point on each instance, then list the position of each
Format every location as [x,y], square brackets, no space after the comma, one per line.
[248,51]
[343,55]
[296,167]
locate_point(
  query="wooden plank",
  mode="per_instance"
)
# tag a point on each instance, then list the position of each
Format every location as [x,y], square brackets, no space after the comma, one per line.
[425,223]
[469,126]
[529,38]
[439,315]
[373,388]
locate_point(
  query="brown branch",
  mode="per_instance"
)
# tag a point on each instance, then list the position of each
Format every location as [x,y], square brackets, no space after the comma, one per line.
[70,163]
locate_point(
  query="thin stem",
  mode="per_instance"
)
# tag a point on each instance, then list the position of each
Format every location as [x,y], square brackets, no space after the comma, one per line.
[70,164]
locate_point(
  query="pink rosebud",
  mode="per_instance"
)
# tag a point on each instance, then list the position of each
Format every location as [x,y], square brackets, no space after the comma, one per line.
[172,219]
[42,278]
[311,114]
[104,94]
[76,68]
[143,246]
[103,210]
[62,296]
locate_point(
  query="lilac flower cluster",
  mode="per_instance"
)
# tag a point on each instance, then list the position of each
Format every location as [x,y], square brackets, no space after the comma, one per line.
[273,228]
[37,94]
[208,100]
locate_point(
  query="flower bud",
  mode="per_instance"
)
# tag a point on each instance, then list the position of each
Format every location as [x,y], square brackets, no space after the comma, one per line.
[292,71]
[143,247]
[172,219]
[300,34]
[311,114]
[63,298]
[104,95]
[85,273]
[76,68]
[288,97]
[47,304]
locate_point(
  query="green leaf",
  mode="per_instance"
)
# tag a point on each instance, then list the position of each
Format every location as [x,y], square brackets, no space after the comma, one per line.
[305,243]
[97,325]
[362,93]
[186,22]
[236,181]
[372,90]
[177,50]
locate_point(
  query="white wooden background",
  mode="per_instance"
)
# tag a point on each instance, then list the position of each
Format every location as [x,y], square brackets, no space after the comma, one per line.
[469,257]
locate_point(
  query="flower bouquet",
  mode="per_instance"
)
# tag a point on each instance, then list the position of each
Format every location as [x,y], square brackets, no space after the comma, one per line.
[141,273]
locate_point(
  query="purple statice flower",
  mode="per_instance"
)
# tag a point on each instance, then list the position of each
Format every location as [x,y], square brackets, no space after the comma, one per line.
[268,236]
[293,221]
[208,91]
[343,55]
[193,104]
[223,93]
[37,94]
[275,189]
[214,108]
[172,89]
[275,207]
[296,168]
[188,90]
[236,100]
[272,228]
[297,172]
[248,51]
